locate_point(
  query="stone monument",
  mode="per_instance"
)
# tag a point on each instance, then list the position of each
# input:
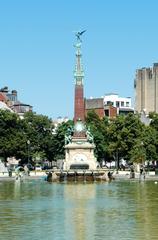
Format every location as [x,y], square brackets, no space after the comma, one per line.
[79,145]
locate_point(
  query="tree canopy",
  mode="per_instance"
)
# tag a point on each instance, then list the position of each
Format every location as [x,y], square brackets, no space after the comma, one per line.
[35,135]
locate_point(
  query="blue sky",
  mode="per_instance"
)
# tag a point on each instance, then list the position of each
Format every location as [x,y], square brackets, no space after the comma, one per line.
[37,57]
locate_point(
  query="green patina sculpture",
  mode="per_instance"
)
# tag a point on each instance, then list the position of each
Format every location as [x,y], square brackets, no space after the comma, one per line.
[78,73]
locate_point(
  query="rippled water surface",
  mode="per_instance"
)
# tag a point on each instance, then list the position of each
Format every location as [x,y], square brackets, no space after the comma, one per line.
[35,209]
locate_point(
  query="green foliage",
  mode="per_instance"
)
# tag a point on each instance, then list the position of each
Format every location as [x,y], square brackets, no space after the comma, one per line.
[15,133]
[154,120]
[11,138]
[59,141]
[38,131]
[98,129]
[124,135]
[150,143]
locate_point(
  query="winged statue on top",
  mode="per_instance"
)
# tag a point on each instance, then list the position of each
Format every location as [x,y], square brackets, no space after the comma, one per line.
[79,34]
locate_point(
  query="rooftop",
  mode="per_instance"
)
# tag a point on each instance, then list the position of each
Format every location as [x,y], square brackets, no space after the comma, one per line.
[94,103]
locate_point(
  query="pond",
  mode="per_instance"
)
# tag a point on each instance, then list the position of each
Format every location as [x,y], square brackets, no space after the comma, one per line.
[35,209]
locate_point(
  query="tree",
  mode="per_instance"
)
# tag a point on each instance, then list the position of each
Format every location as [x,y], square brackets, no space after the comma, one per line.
[39,131]
[11,137]
[98,128]
[150,142]
[154,134]
[59,140]
[123,133]
[154,120]
[138,153]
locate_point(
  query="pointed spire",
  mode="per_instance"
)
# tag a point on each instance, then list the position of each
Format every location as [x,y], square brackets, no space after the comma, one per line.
[78,73]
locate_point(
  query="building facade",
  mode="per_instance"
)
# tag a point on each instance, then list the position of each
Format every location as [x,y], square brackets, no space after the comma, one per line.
[146,89]
[114,100]
[113,104]
[96,105]
[10,98]
[110,105]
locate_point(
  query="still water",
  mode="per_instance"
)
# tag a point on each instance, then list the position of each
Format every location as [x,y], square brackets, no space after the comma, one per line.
[35,209]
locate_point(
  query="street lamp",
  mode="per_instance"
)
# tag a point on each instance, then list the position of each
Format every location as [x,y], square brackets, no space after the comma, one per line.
[142,153]
[117,161]
[28,151]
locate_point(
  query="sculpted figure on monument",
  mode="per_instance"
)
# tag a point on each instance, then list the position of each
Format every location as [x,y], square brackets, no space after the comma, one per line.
[67,139]
[68,135]
[89,135]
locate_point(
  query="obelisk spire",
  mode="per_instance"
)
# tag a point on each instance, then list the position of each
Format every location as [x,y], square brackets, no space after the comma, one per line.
[78,73]
[79,111]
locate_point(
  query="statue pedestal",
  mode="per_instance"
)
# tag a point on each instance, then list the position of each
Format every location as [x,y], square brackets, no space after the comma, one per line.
[79,154]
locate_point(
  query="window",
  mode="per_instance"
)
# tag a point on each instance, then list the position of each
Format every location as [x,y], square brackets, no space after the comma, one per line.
[109,103]
[122,104]
[107,112]
[127,104]
[117,104]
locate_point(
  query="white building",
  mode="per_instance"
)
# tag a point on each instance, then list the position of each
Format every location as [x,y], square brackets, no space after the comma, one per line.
[4,106]
[116,101]
[58,122]
[123,104]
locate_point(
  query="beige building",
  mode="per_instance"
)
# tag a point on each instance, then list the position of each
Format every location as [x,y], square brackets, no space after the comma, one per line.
[146,89]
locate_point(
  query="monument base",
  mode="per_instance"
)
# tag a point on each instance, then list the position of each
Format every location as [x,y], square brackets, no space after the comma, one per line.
[79,154]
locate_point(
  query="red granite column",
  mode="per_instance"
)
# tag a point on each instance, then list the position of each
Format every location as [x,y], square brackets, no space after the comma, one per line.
[79,111]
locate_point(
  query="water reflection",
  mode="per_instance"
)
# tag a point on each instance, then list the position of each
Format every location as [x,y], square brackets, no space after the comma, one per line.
[146,210]
[80,198]
[17,186]
[39,210]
